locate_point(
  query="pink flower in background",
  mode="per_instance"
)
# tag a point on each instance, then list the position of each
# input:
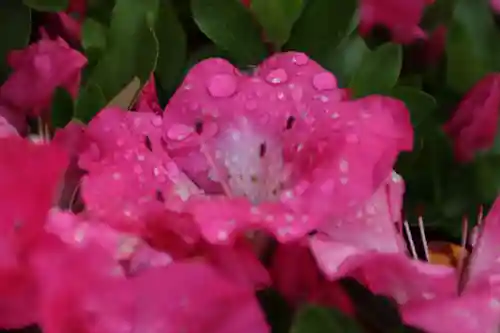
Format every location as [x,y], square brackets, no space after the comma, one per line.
[37,71]
[495,5]
[473,126]
[402,18]
[271,149]
[435,45]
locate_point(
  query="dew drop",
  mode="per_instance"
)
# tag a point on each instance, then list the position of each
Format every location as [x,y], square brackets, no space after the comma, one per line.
[157,121]
[300,59]
[222,235]
[277,76]
[179,132]
[324,81]
[222,85]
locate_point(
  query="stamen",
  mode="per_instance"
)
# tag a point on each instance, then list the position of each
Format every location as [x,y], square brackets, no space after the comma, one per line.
[211,163]
[41,129]
[480,215]
[47,133]
[423,237]
[73,197]
[413,251]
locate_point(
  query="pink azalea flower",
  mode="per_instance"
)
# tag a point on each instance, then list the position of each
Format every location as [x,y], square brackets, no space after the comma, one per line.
[134,186]
[73,139]
[192,297]
[402,18]
[131,180]
[148,98]
[435,46]
[37,71]
[83,290]
[474,124]
[297,277]
[467,301]
[343,244]
[28,188]
[495,5]
[68,24]
[271,149]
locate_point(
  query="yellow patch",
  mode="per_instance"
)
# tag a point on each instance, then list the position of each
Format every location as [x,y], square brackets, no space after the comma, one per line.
[444,253]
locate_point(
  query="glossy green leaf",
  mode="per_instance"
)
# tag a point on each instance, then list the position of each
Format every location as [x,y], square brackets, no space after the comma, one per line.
[322,26]
[90,101]
[346,58]
[93,39]
[315,319]
[379,71]
[440,12]
[15,29]
[172,46]
[93,35]
[470,44]
[231,27]
[132,47]
[420,104]
[277,18]
[47,5]
[62,108]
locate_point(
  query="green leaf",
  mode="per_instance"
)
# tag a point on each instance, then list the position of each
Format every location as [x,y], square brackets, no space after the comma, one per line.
[172,46]
[62,108]
[93,39]
[277,18]
[440,12]
[420,104]
[346,58]
[15,29]
[315,319]
[322,26]
[470,45]
[231,27]
[47,5]
[132,47]
[90,101]
[379,71]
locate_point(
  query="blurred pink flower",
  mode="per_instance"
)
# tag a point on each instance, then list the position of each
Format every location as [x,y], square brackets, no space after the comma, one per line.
[473,126]
[37,71]
[402,18]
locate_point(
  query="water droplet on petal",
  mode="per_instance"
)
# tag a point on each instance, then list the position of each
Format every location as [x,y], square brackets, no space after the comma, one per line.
[301,59]
[157,121]
[324,81]
[179,132]
[277,76]
[222,85]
